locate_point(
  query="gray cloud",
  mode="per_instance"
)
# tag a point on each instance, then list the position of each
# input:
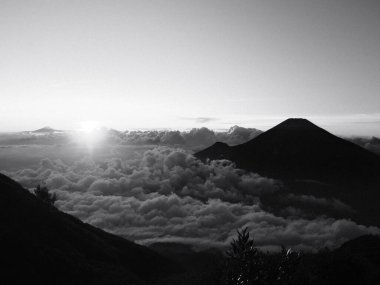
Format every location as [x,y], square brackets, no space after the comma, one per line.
[168,195]
[156,218]
[200,137]
[200,120]
[194,138]
[237,135]
[318,202]
[204,119]
[161,170]
[371,144]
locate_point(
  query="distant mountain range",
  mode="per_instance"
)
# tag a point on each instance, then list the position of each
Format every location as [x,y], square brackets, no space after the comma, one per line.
[41,245]
[46,130]
[310,160]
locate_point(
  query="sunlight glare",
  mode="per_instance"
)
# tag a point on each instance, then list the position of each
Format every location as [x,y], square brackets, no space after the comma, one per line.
[90,134]
[89,126]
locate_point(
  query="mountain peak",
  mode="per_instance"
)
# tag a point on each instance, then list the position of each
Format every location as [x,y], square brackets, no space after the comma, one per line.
[296,123]
[45,129]
[299,149]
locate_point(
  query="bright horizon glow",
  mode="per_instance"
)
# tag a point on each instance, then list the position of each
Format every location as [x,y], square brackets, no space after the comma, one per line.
[90,134]
[183,64]
[89,126]
[342,125]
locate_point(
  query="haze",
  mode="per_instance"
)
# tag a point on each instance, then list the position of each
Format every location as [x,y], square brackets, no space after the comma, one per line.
[179,64]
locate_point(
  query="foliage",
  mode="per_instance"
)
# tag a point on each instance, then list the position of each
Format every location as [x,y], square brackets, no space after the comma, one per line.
[243,261]
[356,262]
[44,195]
[246,265]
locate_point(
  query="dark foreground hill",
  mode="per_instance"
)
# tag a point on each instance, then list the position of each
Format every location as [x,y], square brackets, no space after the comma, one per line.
[355,262]
[41,245]
[310,160]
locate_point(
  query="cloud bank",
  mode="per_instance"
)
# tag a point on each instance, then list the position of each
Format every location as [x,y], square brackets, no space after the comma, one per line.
[168,195]
[196,137]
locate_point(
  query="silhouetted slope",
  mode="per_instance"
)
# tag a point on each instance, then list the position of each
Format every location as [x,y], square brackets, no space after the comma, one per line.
[41,245]
[355,262]
[202,267]
[298,149]
[367,246]
[45,130]
[312,161]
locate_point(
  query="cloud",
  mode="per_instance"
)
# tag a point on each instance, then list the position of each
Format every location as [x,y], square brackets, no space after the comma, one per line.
[311,203]
[158,218]
[161,170]
[194,138]
[202,136]
[200,120]
[204,119]
[168,195]
[237,135]
[372,144]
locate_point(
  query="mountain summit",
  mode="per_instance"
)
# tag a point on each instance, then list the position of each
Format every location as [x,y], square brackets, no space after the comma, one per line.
[298,149]
[297,124]
[45,130]
[310,161]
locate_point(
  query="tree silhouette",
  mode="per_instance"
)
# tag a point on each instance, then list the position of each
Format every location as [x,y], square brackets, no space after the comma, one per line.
[288,264]
[246,265]
[43,194]
[243,260]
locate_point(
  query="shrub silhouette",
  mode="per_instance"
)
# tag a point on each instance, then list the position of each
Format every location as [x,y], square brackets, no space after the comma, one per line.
[243,260]
[43,194]
[246,265]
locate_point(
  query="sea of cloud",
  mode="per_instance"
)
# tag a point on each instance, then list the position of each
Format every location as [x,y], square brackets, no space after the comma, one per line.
[197,137]
[194,138]
[164,194]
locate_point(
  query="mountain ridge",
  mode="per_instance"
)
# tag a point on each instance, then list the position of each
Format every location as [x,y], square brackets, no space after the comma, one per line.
[290,150]
[51,247]
[312,161]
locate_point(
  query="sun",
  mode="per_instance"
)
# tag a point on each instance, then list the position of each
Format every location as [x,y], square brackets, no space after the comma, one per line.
[90,134]
[89,126]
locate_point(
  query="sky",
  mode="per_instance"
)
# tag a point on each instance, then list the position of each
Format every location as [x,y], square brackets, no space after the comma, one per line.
[183,64]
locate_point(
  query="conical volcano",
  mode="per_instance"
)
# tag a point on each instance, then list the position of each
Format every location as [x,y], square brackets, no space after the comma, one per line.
[298,149]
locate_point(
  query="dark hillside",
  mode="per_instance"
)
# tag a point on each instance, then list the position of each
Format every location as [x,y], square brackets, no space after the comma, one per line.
[41,245]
